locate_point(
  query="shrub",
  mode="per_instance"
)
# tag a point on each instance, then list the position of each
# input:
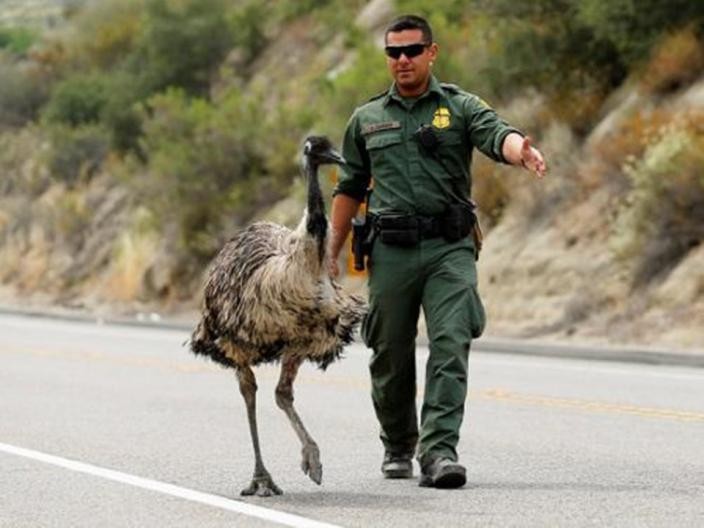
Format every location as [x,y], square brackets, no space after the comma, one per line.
[633,27]
[662,217]
[76,154]
[21,164]
[214,163]
[677,60]
[22,92]
[17,40]
[121,112]
[181,44]
[77,100]
[104,33]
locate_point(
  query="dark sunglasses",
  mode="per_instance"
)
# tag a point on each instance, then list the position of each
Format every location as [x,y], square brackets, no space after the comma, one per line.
[410,51]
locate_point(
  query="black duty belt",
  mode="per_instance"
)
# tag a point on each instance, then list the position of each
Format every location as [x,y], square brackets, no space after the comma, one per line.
[408,230]
[424,226]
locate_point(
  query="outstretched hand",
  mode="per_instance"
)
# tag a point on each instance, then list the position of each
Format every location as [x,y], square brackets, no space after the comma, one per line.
[532,159]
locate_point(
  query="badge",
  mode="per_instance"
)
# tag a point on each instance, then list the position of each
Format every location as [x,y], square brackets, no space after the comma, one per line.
[441,118]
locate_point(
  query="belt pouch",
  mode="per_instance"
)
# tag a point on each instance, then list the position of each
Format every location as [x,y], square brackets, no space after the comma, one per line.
[398,237]
[398,230]
[458,221]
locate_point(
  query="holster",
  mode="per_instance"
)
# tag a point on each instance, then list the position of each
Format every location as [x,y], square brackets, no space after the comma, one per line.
[362,240]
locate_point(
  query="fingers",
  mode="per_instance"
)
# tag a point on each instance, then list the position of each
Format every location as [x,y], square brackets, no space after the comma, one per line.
[532,159]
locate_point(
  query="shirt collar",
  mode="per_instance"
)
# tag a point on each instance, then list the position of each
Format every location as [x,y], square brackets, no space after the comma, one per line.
[433,87]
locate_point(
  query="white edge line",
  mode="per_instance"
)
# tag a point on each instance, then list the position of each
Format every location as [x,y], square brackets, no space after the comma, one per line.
[243,508]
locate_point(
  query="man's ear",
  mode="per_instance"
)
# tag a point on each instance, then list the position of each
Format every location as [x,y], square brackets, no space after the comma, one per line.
[433,49]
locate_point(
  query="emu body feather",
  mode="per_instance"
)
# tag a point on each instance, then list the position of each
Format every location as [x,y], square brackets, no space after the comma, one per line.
[268,297]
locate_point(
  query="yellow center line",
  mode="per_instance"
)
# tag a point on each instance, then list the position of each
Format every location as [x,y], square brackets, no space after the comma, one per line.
[270,372]
[590,405]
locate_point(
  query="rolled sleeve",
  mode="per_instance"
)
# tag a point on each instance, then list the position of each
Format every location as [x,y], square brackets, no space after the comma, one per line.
[355,175]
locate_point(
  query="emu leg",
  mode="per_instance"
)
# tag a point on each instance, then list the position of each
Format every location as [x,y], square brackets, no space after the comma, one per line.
[262,484]
[310,463]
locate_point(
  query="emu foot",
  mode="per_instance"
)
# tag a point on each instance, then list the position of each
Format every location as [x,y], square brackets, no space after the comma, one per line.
[262,486]
[310,464]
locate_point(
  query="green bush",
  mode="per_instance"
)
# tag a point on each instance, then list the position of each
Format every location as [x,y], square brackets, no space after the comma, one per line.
[22,92]
[104,33]
[633,27]
[76,154]
[77,100]
[662,217]
[212,164]
[121,114]
[17,40]
[247,23]
[181,44]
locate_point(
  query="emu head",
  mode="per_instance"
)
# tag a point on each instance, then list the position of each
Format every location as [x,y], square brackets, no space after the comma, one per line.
[317,150]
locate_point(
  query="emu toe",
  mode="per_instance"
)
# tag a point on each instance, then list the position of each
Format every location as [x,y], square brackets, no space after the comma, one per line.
[310,464]
[262,486]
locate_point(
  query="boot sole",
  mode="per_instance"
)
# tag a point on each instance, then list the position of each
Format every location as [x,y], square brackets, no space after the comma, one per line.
[398,474]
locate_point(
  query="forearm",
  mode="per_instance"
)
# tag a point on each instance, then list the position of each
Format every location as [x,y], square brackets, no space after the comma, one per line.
[344,209]
[511,148]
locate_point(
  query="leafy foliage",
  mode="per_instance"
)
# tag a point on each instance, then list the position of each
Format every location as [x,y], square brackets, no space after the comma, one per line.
[17,40]
[181,44]
[76,154]
[22,93]
[77,100]
[662,217]
[202,160]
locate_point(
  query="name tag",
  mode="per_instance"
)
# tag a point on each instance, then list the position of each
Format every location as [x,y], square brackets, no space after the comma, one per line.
[378,127]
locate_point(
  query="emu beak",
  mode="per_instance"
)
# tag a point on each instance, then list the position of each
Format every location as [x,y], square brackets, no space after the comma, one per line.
[332,156]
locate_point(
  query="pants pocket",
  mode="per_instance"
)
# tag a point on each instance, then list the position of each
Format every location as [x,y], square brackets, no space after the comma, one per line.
[477,314]
[368,325]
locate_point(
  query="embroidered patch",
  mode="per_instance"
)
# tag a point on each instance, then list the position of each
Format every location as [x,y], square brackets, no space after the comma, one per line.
[483,103]
[378,127]
[441,118]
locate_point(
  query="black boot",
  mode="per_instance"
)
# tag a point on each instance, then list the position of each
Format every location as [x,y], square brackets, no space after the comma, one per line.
[397,466]
[441,472]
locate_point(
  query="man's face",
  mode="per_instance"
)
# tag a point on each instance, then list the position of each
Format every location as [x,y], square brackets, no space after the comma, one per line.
[410,73]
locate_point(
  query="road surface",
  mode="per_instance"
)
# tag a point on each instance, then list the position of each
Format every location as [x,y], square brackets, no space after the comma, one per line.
[120,426]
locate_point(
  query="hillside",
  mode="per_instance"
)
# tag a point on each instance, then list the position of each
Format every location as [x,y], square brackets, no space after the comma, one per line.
[128,163]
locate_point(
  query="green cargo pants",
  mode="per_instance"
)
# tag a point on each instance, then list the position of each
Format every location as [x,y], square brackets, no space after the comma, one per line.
[441,278]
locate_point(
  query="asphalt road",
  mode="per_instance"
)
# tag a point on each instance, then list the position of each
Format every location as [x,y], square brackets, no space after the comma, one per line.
[120,426]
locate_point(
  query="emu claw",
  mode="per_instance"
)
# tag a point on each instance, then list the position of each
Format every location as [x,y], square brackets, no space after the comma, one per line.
[310,464]
[262,486]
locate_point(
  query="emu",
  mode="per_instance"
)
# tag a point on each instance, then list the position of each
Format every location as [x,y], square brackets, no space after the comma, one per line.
[268,297]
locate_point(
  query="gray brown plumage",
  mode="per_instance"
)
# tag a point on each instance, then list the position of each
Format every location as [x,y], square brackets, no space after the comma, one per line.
[268,297]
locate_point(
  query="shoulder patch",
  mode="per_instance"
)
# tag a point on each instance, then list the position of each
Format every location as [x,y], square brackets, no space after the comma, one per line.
[379,95]
[483,103]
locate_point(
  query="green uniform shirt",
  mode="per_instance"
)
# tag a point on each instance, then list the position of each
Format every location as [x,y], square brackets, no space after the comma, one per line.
[379,142]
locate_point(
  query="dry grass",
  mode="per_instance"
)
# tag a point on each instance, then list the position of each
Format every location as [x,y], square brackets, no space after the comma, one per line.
[675,62]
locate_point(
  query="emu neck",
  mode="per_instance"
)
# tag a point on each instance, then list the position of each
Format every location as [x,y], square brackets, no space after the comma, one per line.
[317,224]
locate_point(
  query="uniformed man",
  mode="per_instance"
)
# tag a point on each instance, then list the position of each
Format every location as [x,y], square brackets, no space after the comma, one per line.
[416,141]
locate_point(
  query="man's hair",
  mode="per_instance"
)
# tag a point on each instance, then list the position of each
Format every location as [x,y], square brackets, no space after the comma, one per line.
[410,22]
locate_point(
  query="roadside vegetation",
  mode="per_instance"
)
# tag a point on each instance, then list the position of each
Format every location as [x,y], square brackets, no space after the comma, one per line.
[160,126]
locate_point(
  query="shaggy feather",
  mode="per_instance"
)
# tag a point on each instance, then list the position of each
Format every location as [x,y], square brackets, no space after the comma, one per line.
[268,297]
[267,290]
